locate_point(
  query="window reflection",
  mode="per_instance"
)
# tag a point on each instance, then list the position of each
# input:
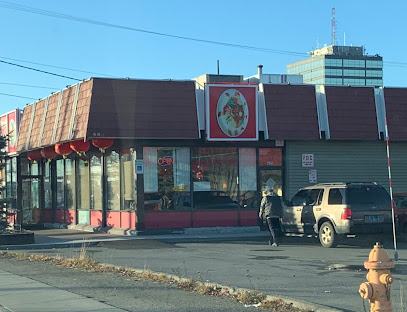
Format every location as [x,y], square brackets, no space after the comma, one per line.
[129,179]
[47,185]
[166,178]
[248,178]
[8,178]
[70,183]
[14,181]
[113,181]
[96,182]
[83,181]
[215,173]
[60,184]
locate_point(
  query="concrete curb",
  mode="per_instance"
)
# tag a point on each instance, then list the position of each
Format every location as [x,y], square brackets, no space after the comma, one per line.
[235,290]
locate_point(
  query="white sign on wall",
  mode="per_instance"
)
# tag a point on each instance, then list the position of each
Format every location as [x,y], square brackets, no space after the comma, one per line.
[312,176]
[308,160]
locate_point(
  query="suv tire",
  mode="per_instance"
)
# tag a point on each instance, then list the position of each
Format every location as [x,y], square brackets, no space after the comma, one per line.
[327,235]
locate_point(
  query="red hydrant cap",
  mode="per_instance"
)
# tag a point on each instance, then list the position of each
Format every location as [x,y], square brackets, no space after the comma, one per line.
[379,259]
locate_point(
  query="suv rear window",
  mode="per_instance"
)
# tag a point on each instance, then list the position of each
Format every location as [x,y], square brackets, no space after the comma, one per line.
[335,196]
[368,195]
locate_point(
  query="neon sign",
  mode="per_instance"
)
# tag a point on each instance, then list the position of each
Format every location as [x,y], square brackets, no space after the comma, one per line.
[165,161]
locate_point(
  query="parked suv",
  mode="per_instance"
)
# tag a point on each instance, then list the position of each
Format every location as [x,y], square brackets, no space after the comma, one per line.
[337,209]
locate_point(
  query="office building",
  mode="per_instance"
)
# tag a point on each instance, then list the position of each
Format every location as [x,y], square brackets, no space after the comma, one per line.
[340,65]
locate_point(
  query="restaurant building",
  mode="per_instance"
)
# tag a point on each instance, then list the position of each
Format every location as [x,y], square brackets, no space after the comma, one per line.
[143,155]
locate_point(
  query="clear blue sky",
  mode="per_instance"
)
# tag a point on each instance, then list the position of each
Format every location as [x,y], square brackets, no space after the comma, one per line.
[294,26]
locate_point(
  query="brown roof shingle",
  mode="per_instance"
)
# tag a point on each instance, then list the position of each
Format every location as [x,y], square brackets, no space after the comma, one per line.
[396,111]
[291,111]
[351,113]
[143,109]
[112,108]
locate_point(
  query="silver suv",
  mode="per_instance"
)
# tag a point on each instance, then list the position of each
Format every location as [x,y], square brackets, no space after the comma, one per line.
[336,209]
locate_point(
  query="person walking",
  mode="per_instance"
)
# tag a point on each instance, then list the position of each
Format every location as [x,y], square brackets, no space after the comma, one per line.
[271,211]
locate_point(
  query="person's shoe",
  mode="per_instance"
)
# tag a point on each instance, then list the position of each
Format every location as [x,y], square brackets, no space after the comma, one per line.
[274,245]
[269,242]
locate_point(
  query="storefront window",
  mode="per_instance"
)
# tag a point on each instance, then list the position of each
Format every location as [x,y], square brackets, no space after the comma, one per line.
[2,179]
[166,178]
[113,181]
[271,179]
[270,176]
[60,184]
[96,182]
[8,178]
[129,179]
[270,157]
[215,177]
[34,168]
[83,182]
[35,200]
[248,178]
[47,186]
[70,183]
[14,181]
[25,167]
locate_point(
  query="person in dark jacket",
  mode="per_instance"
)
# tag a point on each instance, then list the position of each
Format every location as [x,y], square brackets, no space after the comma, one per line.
[271,211]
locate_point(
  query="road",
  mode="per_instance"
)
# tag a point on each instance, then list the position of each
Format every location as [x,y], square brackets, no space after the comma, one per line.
[300,268]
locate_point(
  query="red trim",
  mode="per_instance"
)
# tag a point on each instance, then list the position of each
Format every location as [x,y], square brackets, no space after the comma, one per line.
[60,216]
[71,216]
[47,215]
[248,217]
[167,220]
[215,218]
[113,219]
[128,219]
[96,217]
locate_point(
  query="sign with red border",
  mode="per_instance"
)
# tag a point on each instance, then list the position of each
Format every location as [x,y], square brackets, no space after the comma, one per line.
[9,125]
[231,112]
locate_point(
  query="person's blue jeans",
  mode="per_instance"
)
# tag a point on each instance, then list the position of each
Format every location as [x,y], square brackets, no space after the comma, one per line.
[274,228]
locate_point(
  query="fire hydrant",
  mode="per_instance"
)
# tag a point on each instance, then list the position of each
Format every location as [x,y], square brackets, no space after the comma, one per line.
[379,279]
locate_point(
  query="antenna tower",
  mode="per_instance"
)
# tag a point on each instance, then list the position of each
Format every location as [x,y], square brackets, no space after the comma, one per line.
[333,27]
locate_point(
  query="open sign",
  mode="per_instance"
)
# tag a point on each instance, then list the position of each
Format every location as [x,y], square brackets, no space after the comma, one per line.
[165,161]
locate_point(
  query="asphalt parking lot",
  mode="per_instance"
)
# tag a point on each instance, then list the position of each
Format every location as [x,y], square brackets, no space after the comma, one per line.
[299,268]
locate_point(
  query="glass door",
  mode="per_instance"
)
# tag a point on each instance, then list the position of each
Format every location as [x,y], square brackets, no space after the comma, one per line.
[31,201]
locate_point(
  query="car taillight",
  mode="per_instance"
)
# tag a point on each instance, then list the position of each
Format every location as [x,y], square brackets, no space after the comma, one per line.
[346,213]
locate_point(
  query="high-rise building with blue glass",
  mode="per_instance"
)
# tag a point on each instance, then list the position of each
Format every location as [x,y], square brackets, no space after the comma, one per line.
[340,65]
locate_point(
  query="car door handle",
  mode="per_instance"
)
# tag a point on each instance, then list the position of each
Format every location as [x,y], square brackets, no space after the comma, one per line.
[299,209]
[318,209]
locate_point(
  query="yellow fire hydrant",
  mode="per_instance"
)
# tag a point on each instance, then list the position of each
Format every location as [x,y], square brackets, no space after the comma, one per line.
[379,279]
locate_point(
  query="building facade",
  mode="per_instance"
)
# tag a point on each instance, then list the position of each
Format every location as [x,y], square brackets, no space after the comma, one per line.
[340,65]
[153,155]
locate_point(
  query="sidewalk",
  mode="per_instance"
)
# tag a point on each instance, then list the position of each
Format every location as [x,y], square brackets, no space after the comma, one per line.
[51,238]
[21,294]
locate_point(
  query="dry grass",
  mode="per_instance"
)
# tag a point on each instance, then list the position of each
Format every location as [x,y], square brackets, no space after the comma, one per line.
[83,262]
[251,297]
[279,305]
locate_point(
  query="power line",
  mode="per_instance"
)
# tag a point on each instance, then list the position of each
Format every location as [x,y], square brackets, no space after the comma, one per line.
[17,7]
[38,70]
[29,86]
[59,67]
[18,96]
[13,6]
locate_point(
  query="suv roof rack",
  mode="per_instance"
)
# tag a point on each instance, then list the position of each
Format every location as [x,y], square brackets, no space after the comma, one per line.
[363,183]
